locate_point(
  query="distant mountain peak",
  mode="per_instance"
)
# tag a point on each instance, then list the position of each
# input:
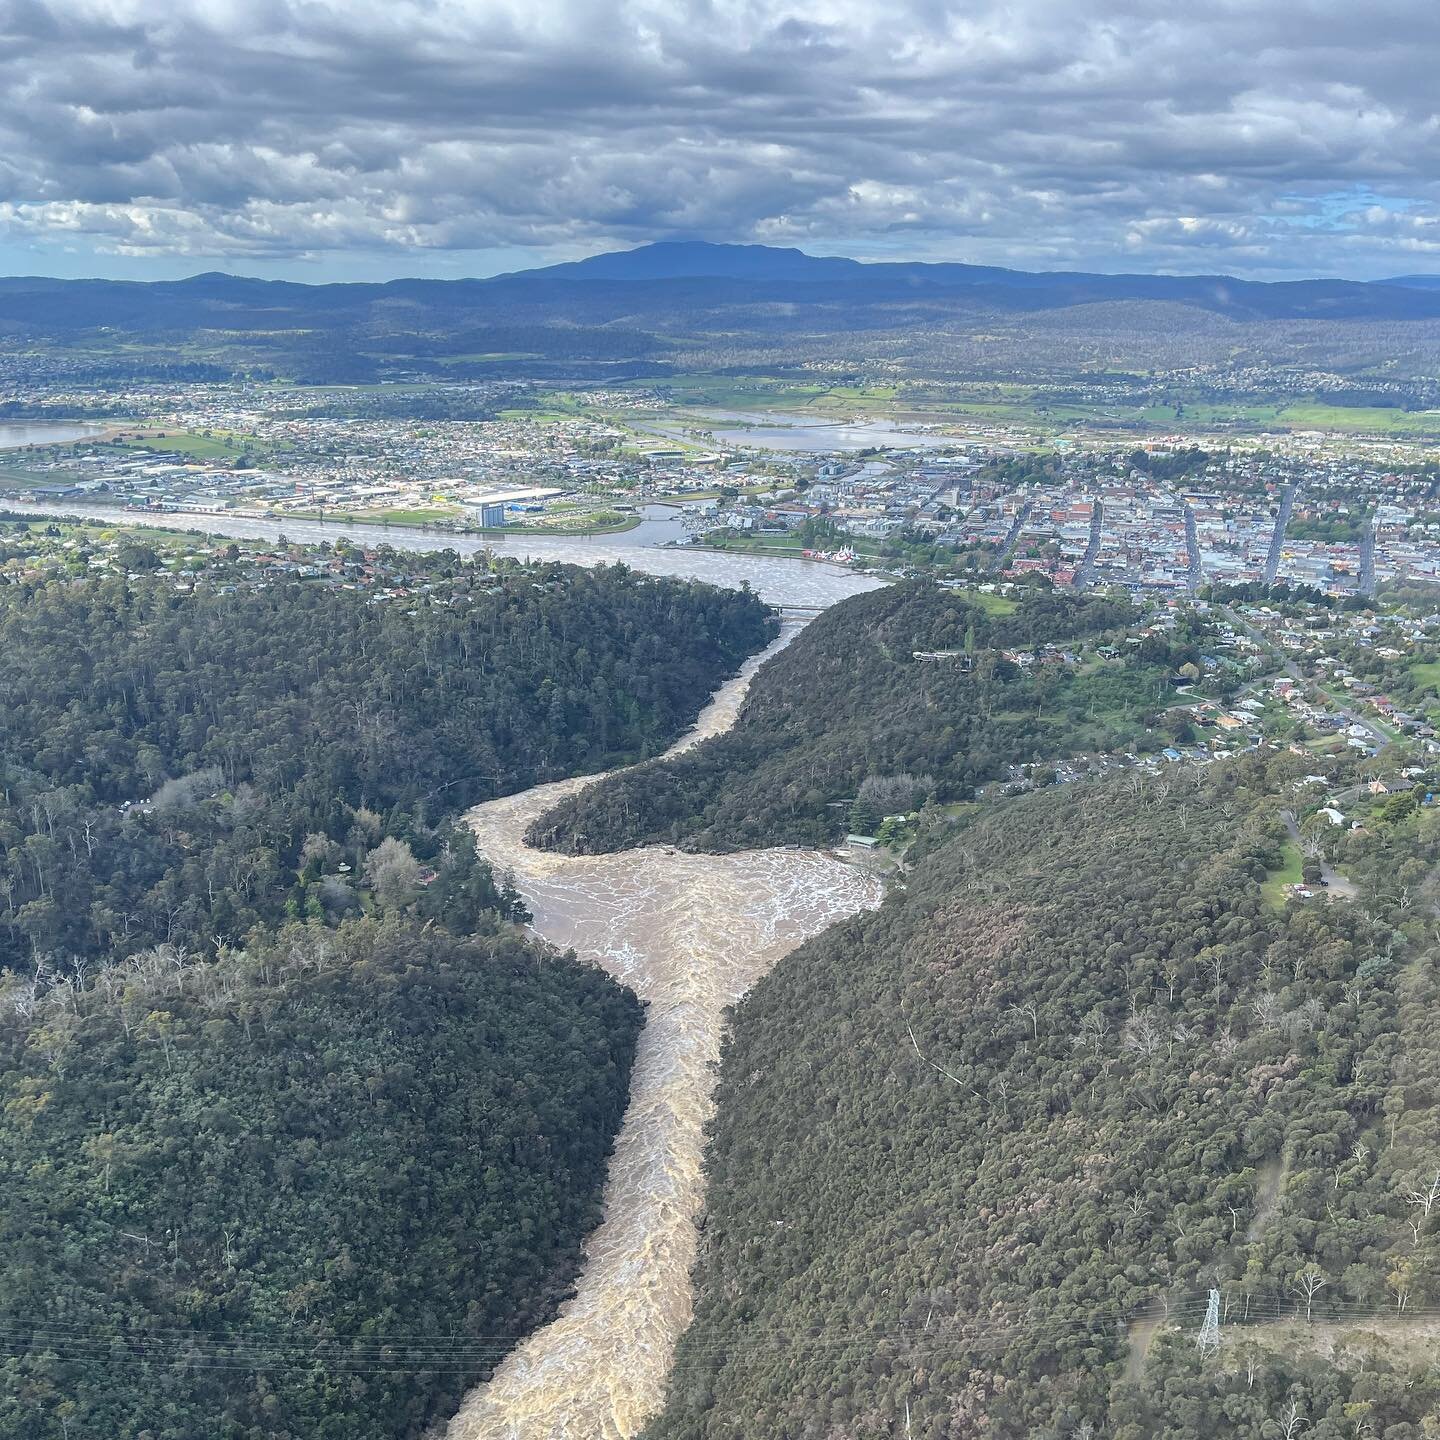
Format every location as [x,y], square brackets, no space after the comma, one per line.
[728,266]
[701,260]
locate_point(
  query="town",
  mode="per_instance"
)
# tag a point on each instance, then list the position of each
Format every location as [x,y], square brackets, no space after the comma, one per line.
[1167,513]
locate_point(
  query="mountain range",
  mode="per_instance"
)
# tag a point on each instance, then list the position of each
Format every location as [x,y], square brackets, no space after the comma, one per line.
[765,265]
[690,304]
[682,272]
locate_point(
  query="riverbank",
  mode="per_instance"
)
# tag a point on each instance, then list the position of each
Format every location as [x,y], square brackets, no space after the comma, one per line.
[438,523]
[804,584]
[18,435]
[690,934]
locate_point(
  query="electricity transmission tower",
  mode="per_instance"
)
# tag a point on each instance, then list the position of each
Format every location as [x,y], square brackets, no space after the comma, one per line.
[1209,1337]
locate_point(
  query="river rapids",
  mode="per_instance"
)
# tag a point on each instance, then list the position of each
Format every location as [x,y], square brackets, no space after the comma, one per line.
[689,934]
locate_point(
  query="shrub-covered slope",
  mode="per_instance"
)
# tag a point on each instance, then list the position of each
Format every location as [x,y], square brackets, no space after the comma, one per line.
[910,681]
[296,1191]
[1079,1072]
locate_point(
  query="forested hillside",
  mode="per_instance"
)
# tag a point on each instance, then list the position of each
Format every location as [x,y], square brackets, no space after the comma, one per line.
[297,1135]
[297,1191]
[178,768]
[912,684]
[973,1147]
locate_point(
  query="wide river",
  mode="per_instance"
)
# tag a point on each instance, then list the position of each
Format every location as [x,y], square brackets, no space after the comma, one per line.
[803,583]
[15,434]
[689,934]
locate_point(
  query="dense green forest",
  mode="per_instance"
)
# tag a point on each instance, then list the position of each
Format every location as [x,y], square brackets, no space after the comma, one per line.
[177,768]
[297,1134]
[910,684]
[975,1148]
[299,1190]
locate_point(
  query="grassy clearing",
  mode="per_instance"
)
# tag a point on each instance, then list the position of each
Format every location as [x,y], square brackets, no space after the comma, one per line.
[961,810]
[373,517]
[219,446]
[489,357]
[742,392]
[1272,891]
[572,526]
[991,604]
[1351,418]
[417,516]
[548,416]
[101,532]
[1021,404]
[758,545]
[1427,673]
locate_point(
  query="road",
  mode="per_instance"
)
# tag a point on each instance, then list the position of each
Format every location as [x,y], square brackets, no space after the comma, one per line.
[1003,558]
[1340,886]
[1277,538]
[1367,560]
[1085,575]
[1378,738]
[1192,545]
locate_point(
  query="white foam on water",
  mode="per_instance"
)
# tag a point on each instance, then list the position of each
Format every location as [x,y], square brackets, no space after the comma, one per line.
[689,934]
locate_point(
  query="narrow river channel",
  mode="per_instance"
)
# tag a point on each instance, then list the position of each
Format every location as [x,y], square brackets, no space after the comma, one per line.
[689,934]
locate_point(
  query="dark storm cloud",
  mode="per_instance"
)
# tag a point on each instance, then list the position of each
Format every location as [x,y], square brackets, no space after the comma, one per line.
[1244,136]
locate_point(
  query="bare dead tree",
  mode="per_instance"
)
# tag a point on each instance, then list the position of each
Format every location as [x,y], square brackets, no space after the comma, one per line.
[949,1075]
[1215,963]
[1143,1035]
[1092,1031]
[1308,1284]
[1268,1009]
[1400,1289]
[1421,1203]
[1287,1424]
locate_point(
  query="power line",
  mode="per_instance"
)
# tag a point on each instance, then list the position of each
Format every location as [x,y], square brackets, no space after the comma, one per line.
[415,1352]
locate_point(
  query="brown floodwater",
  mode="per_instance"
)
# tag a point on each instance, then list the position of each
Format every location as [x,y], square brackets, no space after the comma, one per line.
[689,934]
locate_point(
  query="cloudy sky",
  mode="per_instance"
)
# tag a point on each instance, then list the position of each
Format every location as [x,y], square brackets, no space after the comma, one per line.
[365,139]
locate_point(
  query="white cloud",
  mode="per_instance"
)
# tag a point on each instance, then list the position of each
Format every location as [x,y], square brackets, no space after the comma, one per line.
[1085,132]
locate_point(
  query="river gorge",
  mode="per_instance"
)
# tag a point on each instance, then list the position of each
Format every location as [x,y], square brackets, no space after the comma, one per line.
[689,934]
